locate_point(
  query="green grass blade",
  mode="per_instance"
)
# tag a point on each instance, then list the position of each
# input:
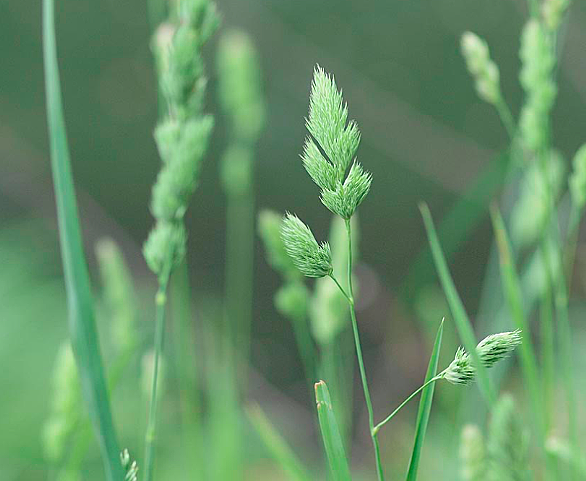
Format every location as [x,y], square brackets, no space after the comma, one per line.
[277,446]
[425,406]
[331,434]
[456,306]
[514,297]
[82,326]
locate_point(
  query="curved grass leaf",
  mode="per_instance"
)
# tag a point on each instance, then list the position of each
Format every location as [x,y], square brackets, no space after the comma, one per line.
[456,306]
[425,406]
[331,434]
[82,326]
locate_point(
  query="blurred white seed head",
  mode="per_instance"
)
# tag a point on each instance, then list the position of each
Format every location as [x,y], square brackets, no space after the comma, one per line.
[484,71]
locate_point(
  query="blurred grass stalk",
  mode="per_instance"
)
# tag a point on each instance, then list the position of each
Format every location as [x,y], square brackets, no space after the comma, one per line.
[82,327]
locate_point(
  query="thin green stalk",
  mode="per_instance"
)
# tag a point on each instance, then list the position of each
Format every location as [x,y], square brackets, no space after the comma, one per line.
[161,304]
[417,391]
[350,297]
[84,337]
[506,118]
[239,271]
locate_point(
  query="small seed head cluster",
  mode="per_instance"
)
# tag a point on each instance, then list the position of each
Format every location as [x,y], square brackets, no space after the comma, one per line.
[182,137]
[484,71]
[330,130]
[538,62]
[311,258]
[473,454]
[490,350]
[578,178]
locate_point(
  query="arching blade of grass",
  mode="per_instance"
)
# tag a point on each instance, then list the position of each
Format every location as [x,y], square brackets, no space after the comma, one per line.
[425,406]
[277,446]
[458,311]
[331,434]
[514,297]
[82,328]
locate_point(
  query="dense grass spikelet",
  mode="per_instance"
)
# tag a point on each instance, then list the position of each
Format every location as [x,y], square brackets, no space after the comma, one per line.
[484,70]
[311,258]
[538,62]
[507,443]
[339,139]
[460,370]
[473,454]
[578,178]
[491,349]
[182,136]
[495,347]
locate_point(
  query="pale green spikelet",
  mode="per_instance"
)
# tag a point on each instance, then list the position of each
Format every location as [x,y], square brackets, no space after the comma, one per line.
[578,178]
[484,71]
[269,229]
[165,247]
[507,443]
[130,466]
[292,299]
[553,11]
[473,454]
[65,405]
[348,196]
[182,137]
[491,349]
[460,370]
[496,347]
[338,138]
[538,62]
[119,294]
[311,258]
[177,180]
[240,85]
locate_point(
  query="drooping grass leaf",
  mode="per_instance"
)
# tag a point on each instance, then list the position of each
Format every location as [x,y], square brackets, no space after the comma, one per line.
[456,306]
[277,446]
[331,434]
[425,406]
[82,326]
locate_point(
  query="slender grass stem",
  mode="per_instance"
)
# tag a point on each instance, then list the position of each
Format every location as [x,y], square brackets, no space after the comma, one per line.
[507,118]
[417,391]
[350,297]
[161,304]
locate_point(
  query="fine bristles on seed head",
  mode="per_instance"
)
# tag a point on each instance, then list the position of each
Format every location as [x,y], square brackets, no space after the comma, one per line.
[491,349]
[460,370]
[495,347]
[311,258]
[338,139]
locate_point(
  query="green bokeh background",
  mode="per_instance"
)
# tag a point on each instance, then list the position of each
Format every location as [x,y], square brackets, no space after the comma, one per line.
[425,136]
